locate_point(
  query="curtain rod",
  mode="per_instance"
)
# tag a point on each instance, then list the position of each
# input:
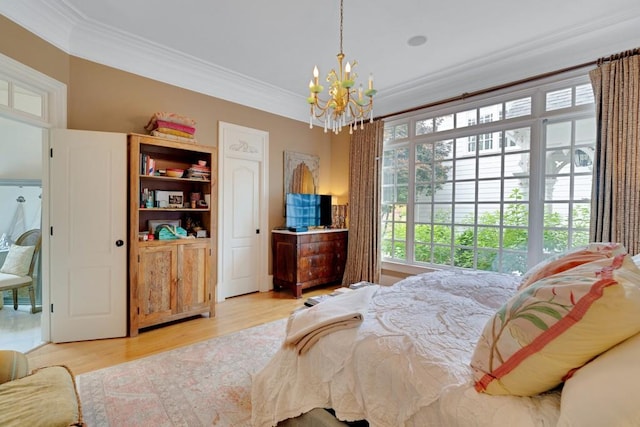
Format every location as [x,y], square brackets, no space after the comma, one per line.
[489,89]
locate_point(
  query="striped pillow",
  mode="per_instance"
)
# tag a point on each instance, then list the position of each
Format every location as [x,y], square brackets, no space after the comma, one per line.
[556,325]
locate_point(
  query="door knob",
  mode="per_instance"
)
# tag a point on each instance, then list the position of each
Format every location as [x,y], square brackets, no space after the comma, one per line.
[119,243]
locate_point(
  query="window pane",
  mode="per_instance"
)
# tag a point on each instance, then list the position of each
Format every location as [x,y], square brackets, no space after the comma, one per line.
[444,123]
[556,215]
[489,191]
[465,169]
[490,167]
[559,134]
[424,126]
[442,234]
[423,253]
[401,131]
[582,187]
[516,189]
[491,113]
[466,118]
[423,213]
[465,191]
[488,237]
[516,214]
[465,213]
[388,194]
[443,214]
[581,215]
[424,153]
[422,233]
[443,192]
[557,188]
[518,108]
[488,214]
[4,92]
[517,139]
[584,94]
[487,260]
[444,149]
[402,194]
[400,213]
[586,131]
[423,192]
[515,238]
[466,146]
[27,101]
[516,164]
[442,255]
[558,99]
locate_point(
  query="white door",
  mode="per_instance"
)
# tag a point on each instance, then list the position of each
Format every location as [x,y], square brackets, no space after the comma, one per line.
[88,250]
[243,211]
[241,228]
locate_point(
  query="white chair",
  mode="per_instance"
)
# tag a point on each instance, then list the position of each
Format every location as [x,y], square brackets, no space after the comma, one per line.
[14,282]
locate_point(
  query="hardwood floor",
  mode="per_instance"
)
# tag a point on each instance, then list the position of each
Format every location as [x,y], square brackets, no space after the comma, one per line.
[232,315]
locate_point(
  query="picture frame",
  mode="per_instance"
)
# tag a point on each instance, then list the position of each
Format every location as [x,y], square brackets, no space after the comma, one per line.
[170,199]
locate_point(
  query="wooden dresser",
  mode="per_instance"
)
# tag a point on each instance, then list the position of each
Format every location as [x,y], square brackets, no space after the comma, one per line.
[306,259]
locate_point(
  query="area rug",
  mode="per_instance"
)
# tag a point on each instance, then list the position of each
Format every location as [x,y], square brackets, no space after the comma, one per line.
[204,384]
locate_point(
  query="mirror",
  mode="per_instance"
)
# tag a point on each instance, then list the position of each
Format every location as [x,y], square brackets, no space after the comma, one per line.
[300,173]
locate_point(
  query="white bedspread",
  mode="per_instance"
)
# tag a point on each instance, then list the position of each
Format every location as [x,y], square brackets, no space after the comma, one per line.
[406,365]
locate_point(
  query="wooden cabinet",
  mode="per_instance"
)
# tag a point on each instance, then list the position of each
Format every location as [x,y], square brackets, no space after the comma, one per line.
[303,260]
[170,279]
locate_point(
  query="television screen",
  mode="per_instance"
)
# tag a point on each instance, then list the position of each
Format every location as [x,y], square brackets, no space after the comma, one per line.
[308,210]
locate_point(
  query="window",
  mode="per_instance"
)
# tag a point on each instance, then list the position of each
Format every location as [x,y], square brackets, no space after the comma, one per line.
[495,184]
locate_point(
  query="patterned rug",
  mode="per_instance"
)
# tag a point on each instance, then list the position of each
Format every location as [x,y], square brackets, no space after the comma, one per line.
[204,384]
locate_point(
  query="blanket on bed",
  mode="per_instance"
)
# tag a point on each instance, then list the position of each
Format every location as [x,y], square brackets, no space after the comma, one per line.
[305,327]
[407,364]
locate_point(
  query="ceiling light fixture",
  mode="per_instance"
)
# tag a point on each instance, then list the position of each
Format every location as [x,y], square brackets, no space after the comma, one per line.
[346,106]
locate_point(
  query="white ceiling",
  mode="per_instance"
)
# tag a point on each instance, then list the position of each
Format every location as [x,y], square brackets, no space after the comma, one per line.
[261,53]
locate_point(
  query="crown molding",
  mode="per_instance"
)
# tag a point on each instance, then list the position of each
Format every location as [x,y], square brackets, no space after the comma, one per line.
[65,27]
[575,46]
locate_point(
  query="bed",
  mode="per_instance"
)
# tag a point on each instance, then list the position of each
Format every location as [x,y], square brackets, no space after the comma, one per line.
[416,358]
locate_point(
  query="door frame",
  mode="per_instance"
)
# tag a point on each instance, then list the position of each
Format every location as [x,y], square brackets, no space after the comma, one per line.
[245,150]
[54,115]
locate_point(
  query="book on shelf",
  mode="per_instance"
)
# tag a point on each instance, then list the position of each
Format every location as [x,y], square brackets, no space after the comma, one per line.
[147,164]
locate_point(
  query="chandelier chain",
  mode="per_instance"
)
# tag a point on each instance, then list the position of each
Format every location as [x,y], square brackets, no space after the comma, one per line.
[341,19]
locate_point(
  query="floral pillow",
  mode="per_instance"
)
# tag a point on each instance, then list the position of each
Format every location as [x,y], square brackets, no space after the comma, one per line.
[18,260]
[573,258]
[547,330]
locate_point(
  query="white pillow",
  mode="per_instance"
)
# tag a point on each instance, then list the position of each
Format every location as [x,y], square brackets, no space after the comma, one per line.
[604,392]
[18,260]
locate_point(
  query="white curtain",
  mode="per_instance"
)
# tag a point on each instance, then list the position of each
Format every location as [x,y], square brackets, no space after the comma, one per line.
[18,223]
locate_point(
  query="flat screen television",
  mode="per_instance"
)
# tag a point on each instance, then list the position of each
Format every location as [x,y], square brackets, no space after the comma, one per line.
[308,210]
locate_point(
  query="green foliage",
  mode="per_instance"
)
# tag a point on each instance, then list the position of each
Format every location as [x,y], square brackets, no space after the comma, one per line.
[486,238]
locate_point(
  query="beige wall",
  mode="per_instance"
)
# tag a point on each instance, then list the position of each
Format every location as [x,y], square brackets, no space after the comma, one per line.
[106,99]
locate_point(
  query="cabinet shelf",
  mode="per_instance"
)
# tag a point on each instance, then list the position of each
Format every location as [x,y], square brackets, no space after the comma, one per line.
[170,279]
[171,178]
[174,209]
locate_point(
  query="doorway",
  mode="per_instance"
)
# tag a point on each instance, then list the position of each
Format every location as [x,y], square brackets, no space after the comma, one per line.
[21,201]
[31,103]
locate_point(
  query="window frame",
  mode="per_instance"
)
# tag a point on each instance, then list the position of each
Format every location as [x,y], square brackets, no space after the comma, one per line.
[537,91]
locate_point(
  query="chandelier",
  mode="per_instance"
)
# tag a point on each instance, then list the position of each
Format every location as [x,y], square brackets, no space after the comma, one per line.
[345,106]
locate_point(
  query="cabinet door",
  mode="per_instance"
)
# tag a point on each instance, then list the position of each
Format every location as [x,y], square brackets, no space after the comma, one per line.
[193,285]
[157,276]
